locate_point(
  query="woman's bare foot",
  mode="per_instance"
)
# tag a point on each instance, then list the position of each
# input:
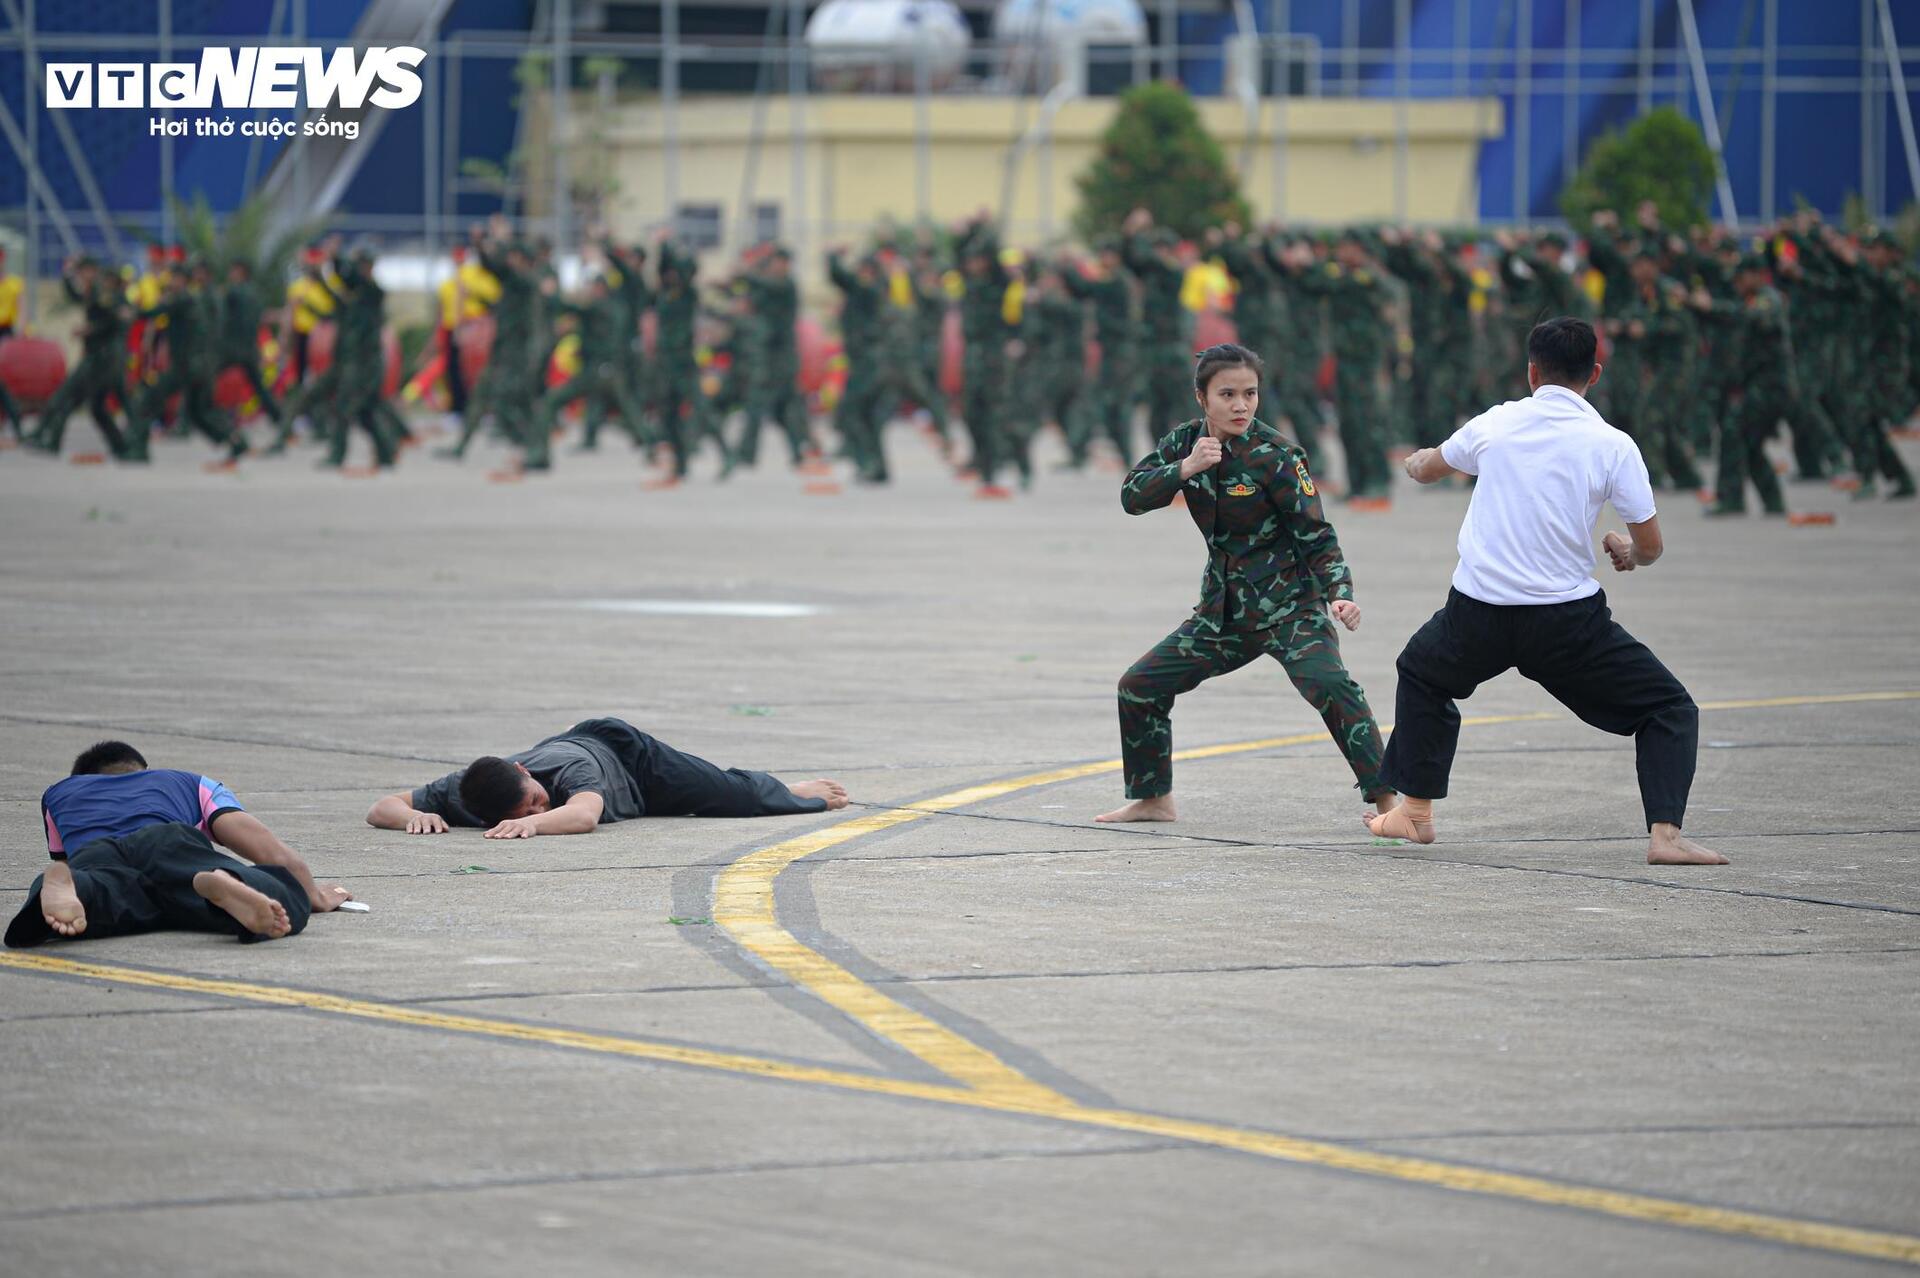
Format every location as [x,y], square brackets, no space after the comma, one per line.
[256,911]
[1158,808]
[60,904]
[1670,847]
[1402,821]
[832,791]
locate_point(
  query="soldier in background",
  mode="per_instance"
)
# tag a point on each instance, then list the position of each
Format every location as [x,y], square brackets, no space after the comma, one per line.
[100,376]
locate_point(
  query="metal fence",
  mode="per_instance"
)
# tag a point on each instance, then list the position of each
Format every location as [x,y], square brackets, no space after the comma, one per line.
[1559,69]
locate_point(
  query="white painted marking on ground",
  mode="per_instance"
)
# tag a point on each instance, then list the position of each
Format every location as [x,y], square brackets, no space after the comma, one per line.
[698,608]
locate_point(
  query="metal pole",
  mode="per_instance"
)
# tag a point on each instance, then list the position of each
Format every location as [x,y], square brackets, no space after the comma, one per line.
[30,269]
[1281,23]
[303,154]
[1646,56]
[278,16]
[670,108]
[1350,47]
[1170,39]
[430,162]
[166,140]
[1570,98]
[923,131]
[562,88]
[1462,44]
[1898,74]
[1769,89]
[450,159]
[1403,87]
[1523,114]
[1709,118]
[796,119]
[1866,103]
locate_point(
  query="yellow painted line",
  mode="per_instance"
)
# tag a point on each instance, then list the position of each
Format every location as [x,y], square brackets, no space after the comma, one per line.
[744,905]
[1042,1104]
[420,1018]
[1838,699]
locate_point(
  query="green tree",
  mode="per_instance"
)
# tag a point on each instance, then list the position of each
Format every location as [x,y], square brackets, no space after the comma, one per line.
[246,236]
[1155,155]
[1660,157]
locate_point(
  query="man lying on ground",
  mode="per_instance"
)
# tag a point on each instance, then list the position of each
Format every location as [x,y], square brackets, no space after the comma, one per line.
[133,852]
[596,772]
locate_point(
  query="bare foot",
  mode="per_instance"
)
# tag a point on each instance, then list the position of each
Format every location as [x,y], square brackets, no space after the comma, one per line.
[60,904]
[1399,823]
[1670,847]
[256,911]
[832,791]
[1158,808]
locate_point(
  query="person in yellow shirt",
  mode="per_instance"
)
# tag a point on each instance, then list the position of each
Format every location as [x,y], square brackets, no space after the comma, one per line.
[466,294]
[308,304]
[11,286]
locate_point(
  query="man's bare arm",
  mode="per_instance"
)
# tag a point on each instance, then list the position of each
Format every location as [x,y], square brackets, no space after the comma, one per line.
[396,812]
[1641,548]
[578,815]
[242,834]
[1427,467]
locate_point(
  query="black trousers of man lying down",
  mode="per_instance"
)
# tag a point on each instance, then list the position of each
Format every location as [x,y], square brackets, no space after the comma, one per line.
[143,882]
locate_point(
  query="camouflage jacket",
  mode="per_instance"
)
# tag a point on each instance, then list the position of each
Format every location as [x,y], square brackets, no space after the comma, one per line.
[1271,553]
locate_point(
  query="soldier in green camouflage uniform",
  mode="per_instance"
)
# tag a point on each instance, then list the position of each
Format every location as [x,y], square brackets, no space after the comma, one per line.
[984,328]
[1821,302]
[1166,345]
[1106,404]
[1053,331]
[508,389]
[1355,296]
[931,303]
[1293,387]
[360,313]
[862,320]
[1273,568]
[773,368]
[1883,389]
[1759,344]
[1636,330]
[601,379]
[192,323]
[685,416]
[102,370]
[239,344]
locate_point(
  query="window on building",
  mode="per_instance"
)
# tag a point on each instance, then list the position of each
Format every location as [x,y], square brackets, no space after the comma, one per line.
[766,223]
[698,225]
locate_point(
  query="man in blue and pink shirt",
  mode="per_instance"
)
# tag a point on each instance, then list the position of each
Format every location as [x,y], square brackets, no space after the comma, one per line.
[133,851]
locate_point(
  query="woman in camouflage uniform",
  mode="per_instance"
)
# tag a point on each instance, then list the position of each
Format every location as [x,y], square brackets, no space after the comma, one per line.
[1274,585]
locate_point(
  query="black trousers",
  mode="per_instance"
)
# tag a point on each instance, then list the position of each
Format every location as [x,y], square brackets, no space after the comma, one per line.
[1579,654]
[143,882]
[675,783]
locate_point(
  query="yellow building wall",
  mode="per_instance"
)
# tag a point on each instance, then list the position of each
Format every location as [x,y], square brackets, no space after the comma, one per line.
[861,164]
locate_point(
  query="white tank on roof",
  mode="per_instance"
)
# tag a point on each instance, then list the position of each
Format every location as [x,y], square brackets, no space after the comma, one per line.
[1087,21]
[876,45]
[1042,39]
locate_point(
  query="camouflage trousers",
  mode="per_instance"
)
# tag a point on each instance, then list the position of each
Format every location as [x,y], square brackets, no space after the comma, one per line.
[1305,645]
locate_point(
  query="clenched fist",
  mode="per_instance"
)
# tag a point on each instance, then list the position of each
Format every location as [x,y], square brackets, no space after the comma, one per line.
[1205,455]
[1619,549]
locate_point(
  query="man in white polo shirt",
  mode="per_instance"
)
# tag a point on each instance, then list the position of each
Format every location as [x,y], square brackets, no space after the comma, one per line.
[1524,596]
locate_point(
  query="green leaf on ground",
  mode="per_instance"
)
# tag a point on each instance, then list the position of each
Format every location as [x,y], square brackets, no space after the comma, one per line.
[677,921]
[471,869]
[755,712]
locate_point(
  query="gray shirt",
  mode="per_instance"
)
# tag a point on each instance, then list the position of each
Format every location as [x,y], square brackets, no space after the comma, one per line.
[576,761]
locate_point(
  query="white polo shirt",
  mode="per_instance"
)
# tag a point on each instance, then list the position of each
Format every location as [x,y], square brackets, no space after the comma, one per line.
[1547,464]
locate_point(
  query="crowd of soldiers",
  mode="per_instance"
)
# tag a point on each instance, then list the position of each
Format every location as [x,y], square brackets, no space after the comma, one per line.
[1714,342]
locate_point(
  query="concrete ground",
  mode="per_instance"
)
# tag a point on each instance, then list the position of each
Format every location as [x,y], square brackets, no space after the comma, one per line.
[1254,1042]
